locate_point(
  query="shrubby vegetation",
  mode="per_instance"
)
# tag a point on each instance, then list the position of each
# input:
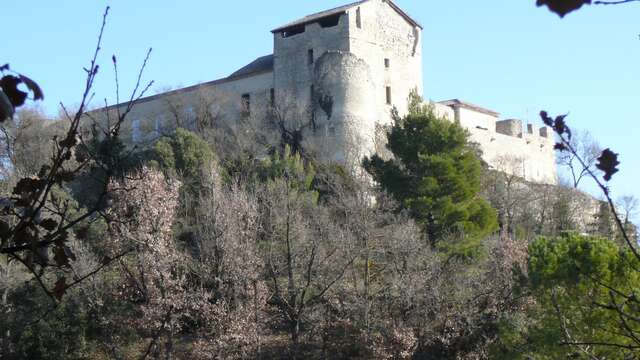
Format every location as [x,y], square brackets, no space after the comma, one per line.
[569,316]
[213,256]
[223,244]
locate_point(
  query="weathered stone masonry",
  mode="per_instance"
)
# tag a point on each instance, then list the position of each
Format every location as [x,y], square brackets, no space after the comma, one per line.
[346,68]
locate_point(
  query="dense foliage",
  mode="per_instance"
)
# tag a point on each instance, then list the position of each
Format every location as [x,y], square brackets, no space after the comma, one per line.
[435,174]
[572,280]
[213,254]
[185,153]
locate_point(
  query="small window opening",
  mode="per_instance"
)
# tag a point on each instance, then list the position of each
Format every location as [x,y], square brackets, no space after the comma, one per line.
[190,117]
[387,63]
[294,30]
[158,125]
[331,130]
[136,134]
[272,97]
[310,57]
[388,95]
[330,21]
[312,101]
[245,106]
[358,19]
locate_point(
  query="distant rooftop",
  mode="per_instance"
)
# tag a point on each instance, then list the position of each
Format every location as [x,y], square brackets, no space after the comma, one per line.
[257,66]
[458,103]
[341,10]
[261,64]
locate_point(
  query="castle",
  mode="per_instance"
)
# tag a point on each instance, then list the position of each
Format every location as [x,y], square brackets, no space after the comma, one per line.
[345,69]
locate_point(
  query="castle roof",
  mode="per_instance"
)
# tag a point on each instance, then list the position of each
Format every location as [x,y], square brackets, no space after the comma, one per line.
[453,103]
[257,66]
[261,64]
[341,10]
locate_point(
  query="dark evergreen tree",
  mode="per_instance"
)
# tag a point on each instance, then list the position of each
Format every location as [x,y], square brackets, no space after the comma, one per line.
[435,175]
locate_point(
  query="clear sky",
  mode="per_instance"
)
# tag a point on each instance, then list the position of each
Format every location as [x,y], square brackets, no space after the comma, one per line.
[505,55]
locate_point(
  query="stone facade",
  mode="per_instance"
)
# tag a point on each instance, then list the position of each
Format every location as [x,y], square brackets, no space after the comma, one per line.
[345,69]
[505,145]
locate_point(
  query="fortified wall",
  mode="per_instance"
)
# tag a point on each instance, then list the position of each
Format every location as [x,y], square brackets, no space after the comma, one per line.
[341,72]
[506,146]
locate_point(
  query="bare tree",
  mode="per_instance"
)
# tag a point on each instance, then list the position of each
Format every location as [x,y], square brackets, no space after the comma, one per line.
[207,294]
[27,143]
[384,243]
[587,149]
[629,206]
[305,253]
[199,110]
[142,218]
[31,231]
[290,122]
[509,192]
[228,263]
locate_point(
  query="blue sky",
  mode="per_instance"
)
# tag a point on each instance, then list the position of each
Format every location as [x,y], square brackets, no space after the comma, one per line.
[504,55]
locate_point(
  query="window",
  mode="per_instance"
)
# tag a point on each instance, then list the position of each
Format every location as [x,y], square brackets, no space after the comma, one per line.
[136,134]
[330,21]
[294,30]
[331,130]
[159,120]
[358,19]
[190,117]
[388,95]
[312,101]
[310,57]
[387,63]
[245,105]
[272,97]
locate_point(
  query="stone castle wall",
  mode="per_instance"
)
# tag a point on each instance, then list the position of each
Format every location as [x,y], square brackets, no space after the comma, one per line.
[392,48]
[505,145]
[343,70]
[345,110]
[160,114]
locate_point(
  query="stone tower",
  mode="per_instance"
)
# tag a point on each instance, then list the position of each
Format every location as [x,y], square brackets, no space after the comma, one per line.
[338,73]
[347,67]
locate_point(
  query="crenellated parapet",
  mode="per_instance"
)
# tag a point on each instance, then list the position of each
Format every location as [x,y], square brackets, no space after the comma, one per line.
[506,145]
[511,127]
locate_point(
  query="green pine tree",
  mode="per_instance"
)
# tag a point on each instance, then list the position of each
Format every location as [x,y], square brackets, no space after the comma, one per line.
[584,304]
[435,175]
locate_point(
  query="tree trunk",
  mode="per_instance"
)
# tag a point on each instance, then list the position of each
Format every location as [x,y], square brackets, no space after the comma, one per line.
[4,346]
[367,285]
[169,346]
[256,318]
[294,328]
